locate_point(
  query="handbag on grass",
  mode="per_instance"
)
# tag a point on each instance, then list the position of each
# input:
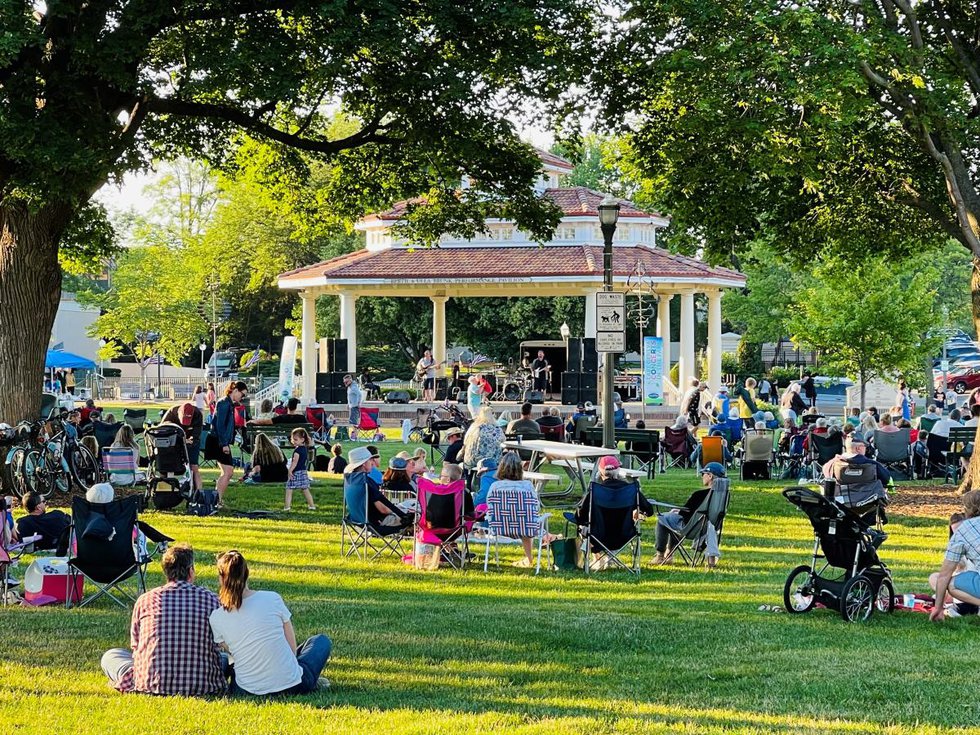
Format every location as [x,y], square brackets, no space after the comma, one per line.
[565,552]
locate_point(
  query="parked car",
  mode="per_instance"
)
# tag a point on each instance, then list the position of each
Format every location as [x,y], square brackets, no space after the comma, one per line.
[961,382]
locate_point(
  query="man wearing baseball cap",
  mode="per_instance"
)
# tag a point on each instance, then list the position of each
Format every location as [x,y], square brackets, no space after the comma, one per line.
[855,447]
[616,534]
[678,518]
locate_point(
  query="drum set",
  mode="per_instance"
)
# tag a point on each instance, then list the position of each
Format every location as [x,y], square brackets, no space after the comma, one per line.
[512,384]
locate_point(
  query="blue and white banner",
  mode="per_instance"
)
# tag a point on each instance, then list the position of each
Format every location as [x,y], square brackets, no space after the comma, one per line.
[653,371]
[287,367]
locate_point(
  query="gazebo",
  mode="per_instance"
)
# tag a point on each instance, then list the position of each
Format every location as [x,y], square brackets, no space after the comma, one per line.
[503,262]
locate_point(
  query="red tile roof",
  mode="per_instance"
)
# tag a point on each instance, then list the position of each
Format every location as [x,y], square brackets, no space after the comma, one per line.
[573,201]
[503,262]
[550,159]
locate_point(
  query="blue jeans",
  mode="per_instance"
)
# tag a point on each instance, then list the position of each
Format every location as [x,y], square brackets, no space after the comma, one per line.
[312,657]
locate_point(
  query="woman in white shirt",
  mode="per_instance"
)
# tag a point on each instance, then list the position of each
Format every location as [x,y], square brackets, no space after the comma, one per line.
[255,627]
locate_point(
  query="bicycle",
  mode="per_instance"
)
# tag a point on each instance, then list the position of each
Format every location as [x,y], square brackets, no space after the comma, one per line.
[61,463]
[435,421]
[17,441]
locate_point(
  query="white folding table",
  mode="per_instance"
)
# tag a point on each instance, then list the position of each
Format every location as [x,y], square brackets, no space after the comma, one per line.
[573,458]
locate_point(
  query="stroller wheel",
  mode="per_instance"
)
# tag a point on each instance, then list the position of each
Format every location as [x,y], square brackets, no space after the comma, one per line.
[798,593]
[885,597]
[857,599]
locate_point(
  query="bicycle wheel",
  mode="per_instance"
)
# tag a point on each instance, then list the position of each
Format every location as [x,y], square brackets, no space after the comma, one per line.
[14,482]
[35,476]
[56,467]
[85,470]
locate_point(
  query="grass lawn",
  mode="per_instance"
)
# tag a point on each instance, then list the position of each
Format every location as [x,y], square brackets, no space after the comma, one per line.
[680,651]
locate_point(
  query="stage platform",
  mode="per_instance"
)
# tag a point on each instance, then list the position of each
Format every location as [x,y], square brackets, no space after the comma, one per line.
[392,413]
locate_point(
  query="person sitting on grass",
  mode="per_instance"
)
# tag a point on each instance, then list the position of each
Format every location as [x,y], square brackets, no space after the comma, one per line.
[50,524]
[360,491]
[454,450]
[678,518]
[956,609]
[173,651]
[964,546]
[268,463]
[396,479]
[298,478]
[337,463]
[256,628]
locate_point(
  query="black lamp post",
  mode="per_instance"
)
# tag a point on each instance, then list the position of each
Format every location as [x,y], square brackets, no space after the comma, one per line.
[608,216]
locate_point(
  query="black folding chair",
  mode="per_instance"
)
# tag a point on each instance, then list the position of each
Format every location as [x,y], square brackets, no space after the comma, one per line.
[106,552]
[690,540]
[136,418]
[104,433]
[611,530]
[894,450]
[823,448]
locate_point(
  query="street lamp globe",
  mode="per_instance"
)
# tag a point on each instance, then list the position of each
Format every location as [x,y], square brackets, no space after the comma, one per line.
[609,211]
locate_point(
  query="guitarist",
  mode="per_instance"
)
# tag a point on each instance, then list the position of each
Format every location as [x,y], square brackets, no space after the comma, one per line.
[541,372]
[425,372]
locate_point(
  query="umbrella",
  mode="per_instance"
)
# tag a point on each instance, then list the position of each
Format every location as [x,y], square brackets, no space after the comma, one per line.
[61,359]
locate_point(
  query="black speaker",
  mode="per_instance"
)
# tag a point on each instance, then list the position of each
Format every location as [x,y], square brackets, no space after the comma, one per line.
[533,396]
[590,358]
[569,388]
[574,355]
[588,387]
[441,386]
[397,396]
[324,389]
[337,354]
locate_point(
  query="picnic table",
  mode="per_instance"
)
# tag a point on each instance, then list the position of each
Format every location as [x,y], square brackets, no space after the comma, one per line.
[575,459]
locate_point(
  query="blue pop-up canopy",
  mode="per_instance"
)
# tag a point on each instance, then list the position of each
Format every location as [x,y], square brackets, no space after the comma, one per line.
[61,359]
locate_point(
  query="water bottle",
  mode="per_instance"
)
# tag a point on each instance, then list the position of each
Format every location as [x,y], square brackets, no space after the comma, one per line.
[908,601]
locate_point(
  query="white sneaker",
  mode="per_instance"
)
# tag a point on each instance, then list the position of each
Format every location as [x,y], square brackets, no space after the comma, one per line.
[323,683]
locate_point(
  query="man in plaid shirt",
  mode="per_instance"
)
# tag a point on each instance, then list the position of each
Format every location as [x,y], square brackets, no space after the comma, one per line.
[173,651]
[964,544]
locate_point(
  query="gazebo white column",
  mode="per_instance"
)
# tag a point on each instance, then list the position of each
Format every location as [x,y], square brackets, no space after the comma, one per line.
[309,347]
[663,329]
[590,328]
[439,329]
[686,358]
[348,329]
[714,339]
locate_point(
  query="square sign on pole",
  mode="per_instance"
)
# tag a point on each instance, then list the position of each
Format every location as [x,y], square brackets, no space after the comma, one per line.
[610,321]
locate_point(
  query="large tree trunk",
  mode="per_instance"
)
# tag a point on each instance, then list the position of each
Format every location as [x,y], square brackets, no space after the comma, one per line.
[30,289]
[971,478]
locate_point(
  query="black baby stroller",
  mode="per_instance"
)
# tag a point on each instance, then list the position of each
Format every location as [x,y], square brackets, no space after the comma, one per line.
[169,478]
[847,544]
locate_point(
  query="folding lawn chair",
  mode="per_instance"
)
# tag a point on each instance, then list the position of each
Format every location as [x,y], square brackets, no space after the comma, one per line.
[358,535]
[121,464]
[757,455]
[369,421]
[894,450]
[644,454]
[690,540]
[712,450]
[823,448]
[442,520]
[105,434]
[611,527]
[675,449]
[106,551]
[136,418]
[936,448]
[512,514]
[582,425]
[318,420]
[553,433]
[49,403]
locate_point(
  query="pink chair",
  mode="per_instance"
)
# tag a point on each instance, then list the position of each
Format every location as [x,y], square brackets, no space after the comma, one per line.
[442,519]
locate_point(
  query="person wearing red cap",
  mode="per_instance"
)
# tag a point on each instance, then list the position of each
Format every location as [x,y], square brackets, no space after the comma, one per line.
[191,420]
[607,469]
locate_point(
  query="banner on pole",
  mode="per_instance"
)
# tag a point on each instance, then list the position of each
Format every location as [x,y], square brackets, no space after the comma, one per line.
[287,368]
[653,371]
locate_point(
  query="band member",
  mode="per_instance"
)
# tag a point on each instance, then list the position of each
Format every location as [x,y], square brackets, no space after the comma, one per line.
[541,371]
[425,370]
